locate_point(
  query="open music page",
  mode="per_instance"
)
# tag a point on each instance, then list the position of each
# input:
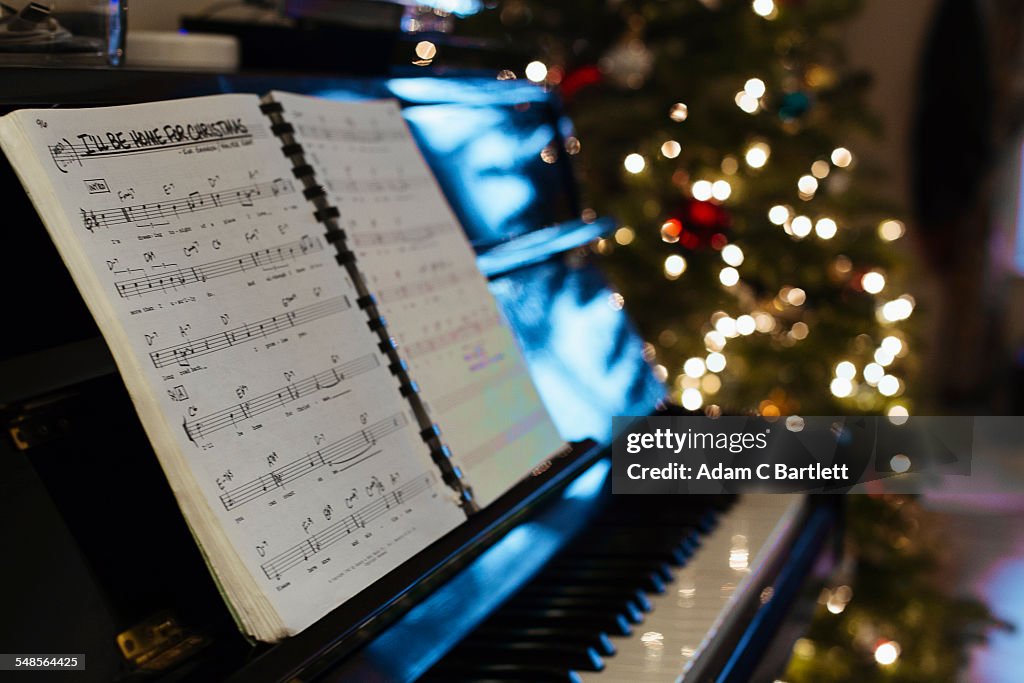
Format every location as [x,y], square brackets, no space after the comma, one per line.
[422,270]
[283,434]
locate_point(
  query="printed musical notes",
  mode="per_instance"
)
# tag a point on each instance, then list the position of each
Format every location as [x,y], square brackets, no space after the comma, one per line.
[465,331]
[422,270]
[376,186]
[350,134]
[264,391]
[384,238]
[300,553]
[426,286]
[181,277]
[346,453]
[183,206]
[201,427]
[180,354]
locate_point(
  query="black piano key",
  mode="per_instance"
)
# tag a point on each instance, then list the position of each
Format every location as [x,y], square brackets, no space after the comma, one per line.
[649,581]
[608,622]
[626,608]
[547,654]
[674,550]
[627,539]
[652,516]
[708,523]
[597,640]
[451,672]
[636,532]
[665,529]
[592,589]
[679,550]
[635,595]
[626,564]
[655,509]
[691,544]
[674,556]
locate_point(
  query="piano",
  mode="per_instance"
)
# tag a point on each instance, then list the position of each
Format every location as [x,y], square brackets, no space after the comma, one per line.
[558,580]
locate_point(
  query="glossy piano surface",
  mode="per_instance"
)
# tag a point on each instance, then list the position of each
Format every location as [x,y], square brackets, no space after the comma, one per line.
[583,352]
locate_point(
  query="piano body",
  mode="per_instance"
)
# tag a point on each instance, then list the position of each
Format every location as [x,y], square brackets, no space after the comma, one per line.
[558,580]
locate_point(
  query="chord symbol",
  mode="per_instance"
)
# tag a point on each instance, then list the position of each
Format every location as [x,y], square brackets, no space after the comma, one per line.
[333,533]
[280,185]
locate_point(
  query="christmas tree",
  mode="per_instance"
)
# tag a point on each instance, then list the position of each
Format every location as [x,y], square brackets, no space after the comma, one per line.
[754,252]
[757,258]
[886,616]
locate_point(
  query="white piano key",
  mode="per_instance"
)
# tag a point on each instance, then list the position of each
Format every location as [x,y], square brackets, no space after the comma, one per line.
[687,617]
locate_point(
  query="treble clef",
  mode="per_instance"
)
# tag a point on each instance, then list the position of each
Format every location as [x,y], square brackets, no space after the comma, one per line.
[64,154]
[89,219]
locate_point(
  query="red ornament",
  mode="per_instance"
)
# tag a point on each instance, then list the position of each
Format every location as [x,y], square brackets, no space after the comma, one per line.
[718,241]
[704,224]
[579,78]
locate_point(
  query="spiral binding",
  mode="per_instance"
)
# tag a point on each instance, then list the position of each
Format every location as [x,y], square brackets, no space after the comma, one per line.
[329,216]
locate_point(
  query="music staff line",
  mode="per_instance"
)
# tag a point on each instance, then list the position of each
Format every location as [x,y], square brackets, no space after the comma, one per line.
[179,354]
[451,337]
[180,277]
[333,133]
[426,286]
[201,427]
[318,542]
[474,390]
[348,451]
[191,203]
[389,237]
[374,185]
[506,438]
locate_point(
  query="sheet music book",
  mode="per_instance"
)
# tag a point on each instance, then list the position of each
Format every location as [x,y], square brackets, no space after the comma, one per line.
[294,310]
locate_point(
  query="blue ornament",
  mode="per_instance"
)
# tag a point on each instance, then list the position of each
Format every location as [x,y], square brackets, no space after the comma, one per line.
[794,105]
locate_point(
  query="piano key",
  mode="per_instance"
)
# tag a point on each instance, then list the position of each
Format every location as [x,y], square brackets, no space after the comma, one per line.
[649,539]
[675,551]
[597,640]
[626,608]
[654,512]
[453,672]
[673,556]
[630,564]
[635,595]
[653,528]
[550,653]
[685,619]
[608,622]
[589,582]
[703,522]
[649,581]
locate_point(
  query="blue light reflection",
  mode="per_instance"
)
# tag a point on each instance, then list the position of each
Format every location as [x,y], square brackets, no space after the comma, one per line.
[589,484]
[583,354]
[495,147]
[435,625]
